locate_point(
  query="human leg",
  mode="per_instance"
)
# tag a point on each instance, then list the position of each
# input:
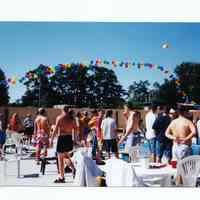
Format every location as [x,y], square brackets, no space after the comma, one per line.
[69,161]
[94,146]
[61,169]
[159,151]
[152,149]
[38,152]
[114,148]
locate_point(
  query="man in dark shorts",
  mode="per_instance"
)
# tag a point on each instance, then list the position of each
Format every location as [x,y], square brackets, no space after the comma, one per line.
[109,129]
[28,128]
[65,127]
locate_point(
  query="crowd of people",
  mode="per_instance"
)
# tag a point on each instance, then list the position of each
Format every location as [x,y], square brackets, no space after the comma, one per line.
[169,133]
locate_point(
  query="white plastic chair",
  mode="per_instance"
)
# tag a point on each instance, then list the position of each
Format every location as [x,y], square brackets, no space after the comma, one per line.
[189,170]
[86,170]
[134,154]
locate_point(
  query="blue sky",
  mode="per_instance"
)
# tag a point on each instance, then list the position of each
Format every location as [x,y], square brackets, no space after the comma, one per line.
[24,46]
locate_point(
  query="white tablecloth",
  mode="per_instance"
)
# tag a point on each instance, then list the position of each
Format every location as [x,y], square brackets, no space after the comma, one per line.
[164,173]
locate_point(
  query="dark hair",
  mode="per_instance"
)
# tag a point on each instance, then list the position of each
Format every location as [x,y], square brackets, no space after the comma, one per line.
[130,105]
[71,114]
[109,113]
[153,107]
[181,110]
[94,112]
[78,114]
[166,109]
[85,113]
[41,111]
[66,109]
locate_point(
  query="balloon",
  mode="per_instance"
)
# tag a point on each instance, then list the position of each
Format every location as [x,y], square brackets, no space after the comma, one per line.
[165,45]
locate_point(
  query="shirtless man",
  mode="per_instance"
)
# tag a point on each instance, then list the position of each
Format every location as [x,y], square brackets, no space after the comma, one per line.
[132,125]
[65,127]
[181,131]
[41,133]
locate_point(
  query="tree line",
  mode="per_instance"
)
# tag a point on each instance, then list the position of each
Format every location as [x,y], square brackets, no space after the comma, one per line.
[96,87]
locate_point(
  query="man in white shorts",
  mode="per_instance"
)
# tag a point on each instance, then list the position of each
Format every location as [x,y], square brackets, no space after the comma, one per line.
[181,131]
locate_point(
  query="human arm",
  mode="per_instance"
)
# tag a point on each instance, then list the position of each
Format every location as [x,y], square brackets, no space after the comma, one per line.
[35,129]
[168,133]
[55,130]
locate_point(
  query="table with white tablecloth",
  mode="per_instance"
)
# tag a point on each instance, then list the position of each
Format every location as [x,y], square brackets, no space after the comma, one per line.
[165,173]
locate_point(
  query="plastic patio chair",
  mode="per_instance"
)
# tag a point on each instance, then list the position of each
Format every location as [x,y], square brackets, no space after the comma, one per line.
[189,170]
[133,153]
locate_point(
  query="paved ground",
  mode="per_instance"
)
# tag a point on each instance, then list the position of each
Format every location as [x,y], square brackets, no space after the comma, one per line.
[29,167]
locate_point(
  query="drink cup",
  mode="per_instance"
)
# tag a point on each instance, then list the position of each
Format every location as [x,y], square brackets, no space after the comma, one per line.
[174,163]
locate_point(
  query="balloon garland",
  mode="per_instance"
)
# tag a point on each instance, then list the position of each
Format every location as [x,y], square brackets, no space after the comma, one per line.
[51,70]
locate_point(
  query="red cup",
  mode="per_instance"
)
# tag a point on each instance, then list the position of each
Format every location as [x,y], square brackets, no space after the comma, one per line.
[173,163]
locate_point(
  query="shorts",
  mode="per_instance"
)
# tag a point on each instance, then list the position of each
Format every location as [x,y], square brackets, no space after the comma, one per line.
[111,145]
[28,131]
[64,144]
[181,151]
[152,145]
[42,141]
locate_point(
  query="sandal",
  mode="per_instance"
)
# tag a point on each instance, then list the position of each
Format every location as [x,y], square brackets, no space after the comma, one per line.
[60,180]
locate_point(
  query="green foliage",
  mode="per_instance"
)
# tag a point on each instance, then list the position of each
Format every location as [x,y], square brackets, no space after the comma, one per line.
[76,86]
[167,93]
[138,92]
[189,76]
[4,99]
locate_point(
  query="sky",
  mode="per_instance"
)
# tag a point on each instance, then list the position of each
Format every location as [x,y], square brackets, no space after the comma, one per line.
[25,45]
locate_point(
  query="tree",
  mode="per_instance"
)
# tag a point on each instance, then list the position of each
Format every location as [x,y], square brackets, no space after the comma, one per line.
[189,78]
[105,90]
[139,91]
[185,87]
[4,100]
[75,85]
[166,93]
